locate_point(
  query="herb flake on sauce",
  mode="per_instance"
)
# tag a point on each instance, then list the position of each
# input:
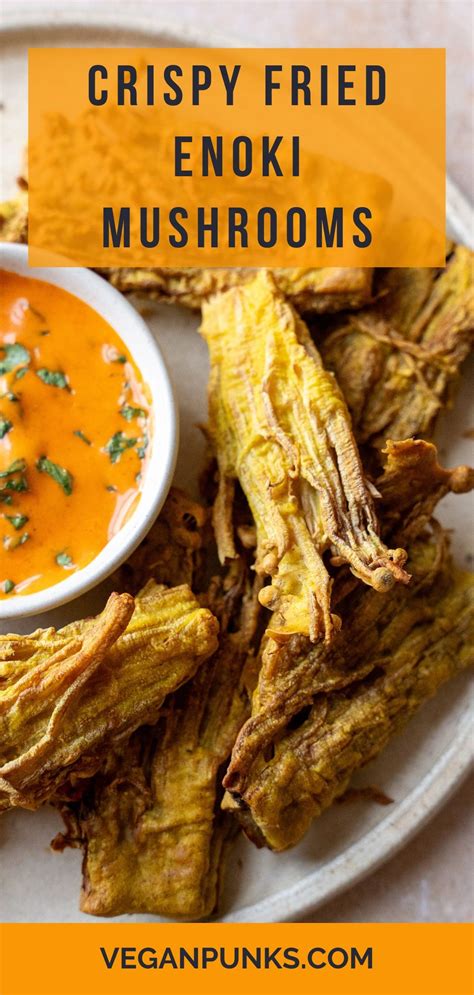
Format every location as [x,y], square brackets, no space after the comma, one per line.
[18,521]
[13,480]
[20,373]
[143,446]
[5,426]
[117,445]
[14,355]
[128,412]
[58,473]
[12,542]
[63,559]
[18,466]
[53,378]
[82,437]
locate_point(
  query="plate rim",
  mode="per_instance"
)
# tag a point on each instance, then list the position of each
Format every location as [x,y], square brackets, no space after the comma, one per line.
[383,841]
[389,835]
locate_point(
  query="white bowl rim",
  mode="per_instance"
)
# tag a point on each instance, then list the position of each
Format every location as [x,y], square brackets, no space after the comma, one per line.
[137,337]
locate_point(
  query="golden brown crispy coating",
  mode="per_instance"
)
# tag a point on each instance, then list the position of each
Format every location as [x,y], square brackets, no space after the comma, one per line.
[65,696]
[397,359]
[313,290]
[169,552]
[411,485]
[391,656]
[309,290]
[150,823]
[279,424]
[14,219]
[293,673]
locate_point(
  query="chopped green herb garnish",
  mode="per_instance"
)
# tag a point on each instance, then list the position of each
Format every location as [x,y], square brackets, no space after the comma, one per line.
[58,473]
[17,484]
[53,378]
[119,359]
[128,412]
[18,521]
[111,487]
[15,355]
[5,498]
[143,446]
[21,372]
[10,396]
[63,559]
[18,466]
[11,543]
[14,479]
[117,445]
[5,426]
[80,435]
[7,586]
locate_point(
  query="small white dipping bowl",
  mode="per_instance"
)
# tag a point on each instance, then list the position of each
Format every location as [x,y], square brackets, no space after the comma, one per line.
[135,334]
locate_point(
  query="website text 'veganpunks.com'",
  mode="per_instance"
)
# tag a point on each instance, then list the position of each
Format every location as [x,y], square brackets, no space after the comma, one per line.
[236,957]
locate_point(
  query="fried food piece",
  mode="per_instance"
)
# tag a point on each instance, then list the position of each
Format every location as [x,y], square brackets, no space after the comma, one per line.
[292,674]
[65,696]
[412,484]
[397,359]
[392,655]
[323,290]
[150,824]
[279,424]
[14,219]
[309,290]
[169,552]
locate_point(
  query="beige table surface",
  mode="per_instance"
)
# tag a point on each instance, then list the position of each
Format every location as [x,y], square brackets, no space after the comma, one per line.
[358,23]
[431,879]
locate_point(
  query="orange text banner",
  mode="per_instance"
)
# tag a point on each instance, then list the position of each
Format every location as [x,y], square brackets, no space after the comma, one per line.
[237,157]
[211,958]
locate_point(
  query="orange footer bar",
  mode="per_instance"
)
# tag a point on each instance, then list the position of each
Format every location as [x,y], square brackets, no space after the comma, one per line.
[254,959]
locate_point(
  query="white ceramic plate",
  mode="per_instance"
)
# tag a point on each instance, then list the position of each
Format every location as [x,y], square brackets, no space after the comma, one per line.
[418,770]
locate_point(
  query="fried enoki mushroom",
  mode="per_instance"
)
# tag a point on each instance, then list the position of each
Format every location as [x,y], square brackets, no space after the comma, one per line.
[324,290]
[66,696]
[411,485]
[14,219]
[397,359]
[150,822]
[169,553]
[279,424]
[309,290]
[392,655]
[290,675]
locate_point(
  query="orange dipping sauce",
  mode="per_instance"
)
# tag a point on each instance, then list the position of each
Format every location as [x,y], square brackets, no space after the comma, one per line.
[74,434]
